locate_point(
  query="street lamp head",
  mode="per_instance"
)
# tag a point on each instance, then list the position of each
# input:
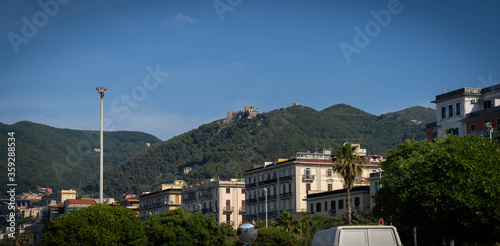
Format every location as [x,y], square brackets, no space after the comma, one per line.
[101,90]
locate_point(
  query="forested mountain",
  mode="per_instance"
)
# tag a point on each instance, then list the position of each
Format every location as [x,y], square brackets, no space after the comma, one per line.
[223,150]
[64,158]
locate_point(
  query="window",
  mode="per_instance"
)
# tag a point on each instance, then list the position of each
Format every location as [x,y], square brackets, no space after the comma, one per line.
[308,187]
[312,206]
[356,202]
[332,205]
[341,204]
[228,190]
[330,187]
[329,172]
[318,207]
[487,104]
[242,191]
[307,171]
[376,186]
[457,108]
[450,110]
[498,124]
[473,129]
[326,206]
[228,218]
[443,112]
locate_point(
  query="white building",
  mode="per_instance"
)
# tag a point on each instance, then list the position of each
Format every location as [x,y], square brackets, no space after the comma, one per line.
[288,182]
[466,111]
[224,200]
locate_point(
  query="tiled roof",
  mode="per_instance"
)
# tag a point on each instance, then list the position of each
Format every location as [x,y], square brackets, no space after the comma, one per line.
[78,201]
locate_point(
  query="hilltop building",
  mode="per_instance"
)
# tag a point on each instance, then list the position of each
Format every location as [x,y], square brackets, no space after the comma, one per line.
[466,111]
[224,200]
[235,116]
[288,182]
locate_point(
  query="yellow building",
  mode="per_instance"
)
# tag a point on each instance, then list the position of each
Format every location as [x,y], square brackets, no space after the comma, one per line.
[159,202]
[64,195]
[224,200]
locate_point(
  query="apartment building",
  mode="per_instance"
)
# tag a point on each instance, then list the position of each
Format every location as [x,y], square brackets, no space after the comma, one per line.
[160,201]
[466,111]
[224,200]
[287,182]
[334,203]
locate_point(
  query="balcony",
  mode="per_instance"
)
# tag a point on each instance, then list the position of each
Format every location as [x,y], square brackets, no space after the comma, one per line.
[286,178]
[242,210]
[250,185]
[251,200]
[207,210]
[286,194]
[271,197]
[250,216]
[206,196]
[308,177]
[228,209]
[270,181]
[189,199]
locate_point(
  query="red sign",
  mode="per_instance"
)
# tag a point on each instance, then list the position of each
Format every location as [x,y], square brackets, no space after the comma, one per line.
[381,222]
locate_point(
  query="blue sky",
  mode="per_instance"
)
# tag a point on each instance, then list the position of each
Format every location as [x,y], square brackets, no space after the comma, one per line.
[170,66]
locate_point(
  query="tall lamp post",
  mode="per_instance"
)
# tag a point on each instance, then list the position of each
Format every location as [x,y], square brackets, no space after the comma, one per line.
[101,91]
[265,190]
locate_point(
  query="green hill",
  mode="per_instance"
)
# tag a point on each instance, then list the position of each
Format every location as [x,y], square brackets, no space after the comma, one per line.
[64,158]
[223,150]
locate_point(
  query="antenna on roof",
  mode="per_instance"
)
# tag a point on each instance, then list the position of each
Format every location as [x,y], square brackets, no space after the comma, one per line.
[445,89]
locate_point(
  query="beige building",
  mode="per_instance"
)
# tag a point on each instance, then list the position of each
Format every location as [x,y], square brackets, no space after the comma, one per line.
[334,203]
[225,200]
[288,182]
[160,201]
[64,195]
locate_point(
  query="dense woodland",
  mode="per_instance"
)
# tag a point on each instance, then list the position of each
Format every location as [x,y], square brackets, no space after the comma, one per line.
[64,158]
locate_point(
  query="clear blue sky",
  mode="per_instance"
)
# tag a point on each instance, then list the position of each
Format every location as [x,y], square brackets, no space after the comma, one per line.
[210,60]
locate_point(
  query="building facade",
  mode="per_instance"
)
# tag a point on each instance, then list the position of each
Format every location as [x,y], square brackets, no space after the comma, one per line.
[224,200]
[159,202]
[334,203]
[288,182]
[64,195]
[466,111]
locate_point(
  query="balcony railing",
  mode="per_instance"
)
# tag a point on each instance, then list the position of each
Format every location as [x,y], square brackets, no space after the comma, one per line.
[242,210]
[286,194]
[250,185]
[251,200]
[308,177]
[206,196]
[271,197]
[269,181]
[228,209]
[189,199]
[289,177]
[250,216]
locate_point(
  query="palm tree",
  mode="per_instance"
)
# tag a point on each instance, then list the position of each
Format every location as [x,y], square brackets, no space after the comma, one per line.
[344,163]
[287,222]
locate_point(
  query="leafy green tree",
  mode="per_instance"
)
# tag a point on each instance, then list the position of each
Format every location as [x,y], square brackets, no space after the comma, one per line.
[313,223]
[447,189]
[273,237]
[345,163]
[287,222]
[96,225]
[180,227]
